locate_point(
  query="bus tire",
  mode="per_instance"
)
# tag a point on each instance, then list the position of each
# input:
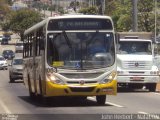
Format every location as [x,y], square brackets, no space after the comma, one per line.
[101,99]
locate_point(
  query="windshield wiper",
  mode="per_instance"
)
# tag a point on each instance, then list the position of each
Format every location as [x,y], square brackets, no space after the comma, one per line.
[52,40]
[67,40]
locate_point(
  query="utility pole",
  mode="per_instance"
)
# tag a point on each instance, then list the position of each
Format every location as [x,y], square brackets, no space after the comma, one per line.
[93,2]
[134,16]
[89,3]
[103,7]
[155,20]
[75,5]
[51,7]
[56,4]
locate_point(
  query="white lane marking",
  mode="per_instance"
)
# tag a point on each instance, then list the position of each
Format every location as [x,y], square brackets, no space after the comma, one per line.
[5,107]
[113,104]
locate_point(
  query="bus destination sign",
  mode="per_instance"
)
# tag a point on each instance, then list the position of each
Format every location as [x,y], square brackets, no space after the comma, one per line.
[80,24]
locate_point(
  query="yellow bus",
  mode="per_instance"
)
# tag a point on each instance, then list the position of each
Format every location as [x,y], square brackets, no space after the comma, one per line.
[71,55]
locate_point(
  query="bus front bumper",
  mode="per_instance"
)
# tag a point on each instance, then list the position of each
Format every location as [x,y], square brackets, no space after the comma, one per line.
[137,79]
[81,90]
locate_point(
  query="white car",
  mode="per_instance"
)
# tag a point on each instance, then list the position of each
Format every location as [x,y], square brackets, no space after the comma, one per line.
[3,63]
[16,69]
[19,47]
[1,37]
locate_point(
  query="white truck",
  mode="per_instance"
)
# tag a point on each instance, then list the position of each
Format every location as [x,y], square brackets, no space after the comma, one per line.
[135,56]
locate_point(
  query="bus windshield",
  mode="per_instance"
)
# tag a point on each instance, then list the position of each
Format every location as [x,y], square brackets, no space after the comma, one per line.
[135,47]
[80,50]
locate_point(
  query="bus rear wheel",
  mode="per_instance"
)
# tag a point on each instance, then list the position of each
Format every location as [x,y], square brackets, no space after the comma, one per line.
[101,99]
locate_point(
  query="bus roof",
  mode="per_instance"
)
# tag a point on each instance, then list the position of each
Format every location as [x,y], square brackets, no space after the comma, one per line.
[80,16]
[138,40]
[45,21]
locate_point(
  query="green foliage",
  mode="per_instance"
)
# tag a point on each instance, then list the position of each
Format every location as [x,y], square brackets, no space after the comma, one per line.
[146,15]
[9,2]
[4,9]
[74,4]
[53,8]
[18,21]
[89,10]
[124,23]
[120,11]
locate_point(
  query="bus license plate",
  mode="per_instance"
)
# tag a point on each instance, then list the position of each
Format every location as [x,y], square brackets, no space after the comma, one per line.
[136,78]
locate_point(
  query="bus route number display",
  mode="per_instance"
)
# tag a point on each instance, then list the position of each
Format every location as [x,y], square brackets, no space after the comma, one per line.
[80,24]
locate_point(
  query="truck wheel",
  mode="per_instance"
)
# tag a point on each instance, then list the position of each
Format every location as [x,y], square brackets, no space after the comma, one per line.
[101,99]
[151,87]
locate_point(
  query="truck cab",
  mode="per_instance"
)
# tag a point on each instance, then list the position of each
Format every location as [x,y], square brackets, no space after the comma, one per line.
[135,65]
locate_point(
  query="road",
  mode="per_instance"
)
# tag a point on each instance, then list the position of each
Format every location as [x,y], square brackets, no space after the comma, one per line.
[14,99]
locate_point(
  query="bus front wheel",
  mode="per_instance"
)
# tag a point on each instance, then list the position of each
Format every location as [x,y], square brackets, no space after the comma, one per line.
[101,99]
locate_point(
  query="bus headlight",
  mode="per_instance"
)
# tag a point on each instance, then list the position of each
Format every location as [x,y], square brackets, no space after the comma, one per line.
[55,80]
[109,78]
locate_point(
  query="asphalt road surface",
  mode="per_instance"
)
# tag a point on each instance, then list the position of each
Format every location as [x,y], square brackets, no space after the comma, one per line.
[14,100]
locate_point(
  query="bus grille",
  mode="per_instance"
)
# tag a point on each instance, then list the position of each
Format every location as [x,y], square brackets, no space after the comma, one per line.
[136,64]
[77,82]
[82,75]
[82,89]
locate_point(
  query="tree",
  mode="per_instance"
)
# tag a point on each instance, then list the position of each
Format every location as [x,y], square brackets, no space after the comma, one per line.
[74,5]
[120,11]
[4,9]
[18,21]
[88,9]
[146,15]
